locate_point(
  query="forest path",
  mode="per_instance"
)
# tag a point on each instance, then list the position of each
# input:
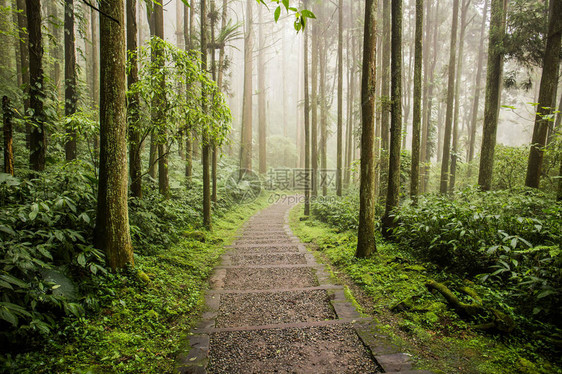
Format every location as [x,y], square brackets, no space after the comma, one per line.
[273,309]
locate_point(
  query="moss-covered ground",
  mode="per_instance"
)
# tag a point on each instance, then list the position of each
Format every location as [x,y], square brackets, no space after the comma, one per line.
[390,286]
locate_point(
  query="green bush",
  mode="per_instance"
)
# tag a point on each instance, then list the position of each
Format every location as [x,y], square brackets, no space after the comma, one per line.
[511,237]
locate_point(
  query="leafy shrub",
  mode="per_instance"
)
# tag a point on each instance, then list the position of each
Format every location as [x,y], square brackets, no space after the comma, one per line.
[500,234]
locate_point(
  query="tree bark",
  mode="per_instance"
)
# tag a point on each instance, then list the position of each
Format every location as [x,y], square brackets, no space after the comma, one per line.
[307,186]
[24,61]
[160,103]
[456,119]
[323,114]
[493,92]
[246,145]
[70,97]
[135,167]
[95,76]
[261,97]
[393,192]
[339,147]
[8,137]
[477,90]
[450,101]
[55,48]
[187,27]
[385,97]
[206,144]
[549,81]
[366,244]
[314,110]
[36,95]
[416,123]
[112,223]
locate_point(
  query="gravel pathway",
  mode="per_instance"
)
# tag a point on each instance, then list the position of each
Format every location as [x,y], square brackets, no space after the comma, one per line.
[273,309]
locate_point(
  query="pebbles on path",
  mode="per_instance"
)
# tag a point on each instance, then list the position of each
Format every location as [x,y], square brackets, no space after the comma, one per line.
[257,309]
[269,278]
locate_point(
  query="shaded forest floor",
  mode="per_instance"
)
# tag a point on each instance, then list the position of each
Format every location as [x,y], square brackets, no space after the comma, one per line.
[145,314]
[391,288]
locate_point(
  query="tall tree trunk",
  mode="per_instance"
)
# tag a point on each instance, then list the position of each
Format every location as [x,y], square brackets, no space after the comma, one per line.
[385,101]
[314,110]
[493,92]
[36,95]
[323,115]
[214,149]
[206,143]
[55,49]
[159,101]
[112,223]
[339,135]
[416,123]
[24,62]
[307,186]
[135,167]
[95,77]
[456,119]
[393,192]
[350,99]
[70,97]
[549,81]
[366,244]
[187,27]
[450,101]
[477,90]
[246,145]
[261,97]
[8,136]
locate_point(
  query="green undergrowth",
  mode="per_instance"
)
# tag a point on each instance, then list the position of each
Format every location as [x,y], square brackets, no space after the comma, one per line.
[418,321]
[144,313]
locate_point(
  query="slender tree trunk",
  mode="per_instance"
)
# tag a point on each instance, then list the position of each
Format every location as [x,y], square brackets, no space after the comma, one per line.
[385,100]
[135,167]
[246,146]
[314,108]
[8,137]
[261,98]
[112,223]
[366,244]
[214,148]
[187,22]
[70,97]
[206,143]
[477,90]
[36,96]
[493,92]
[160,102]
[350,98]
[307,186]
[55,49]
[549,81]
[416,123]
[323,115]
[95,77]
[339,135]
[456,119]
[393,192]
[450,97]
[24,62]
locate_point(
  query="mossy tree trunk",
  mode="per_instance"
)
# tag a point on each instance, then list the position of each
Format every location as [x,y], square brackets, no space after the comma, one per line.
[206,144]
[135,166]
[366,244]
[246,144]
[416,125]
[493,92]
[450,101]
[393,190]
[70,96]
[339,131]
[112,223]
[38,143]
[549,81]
